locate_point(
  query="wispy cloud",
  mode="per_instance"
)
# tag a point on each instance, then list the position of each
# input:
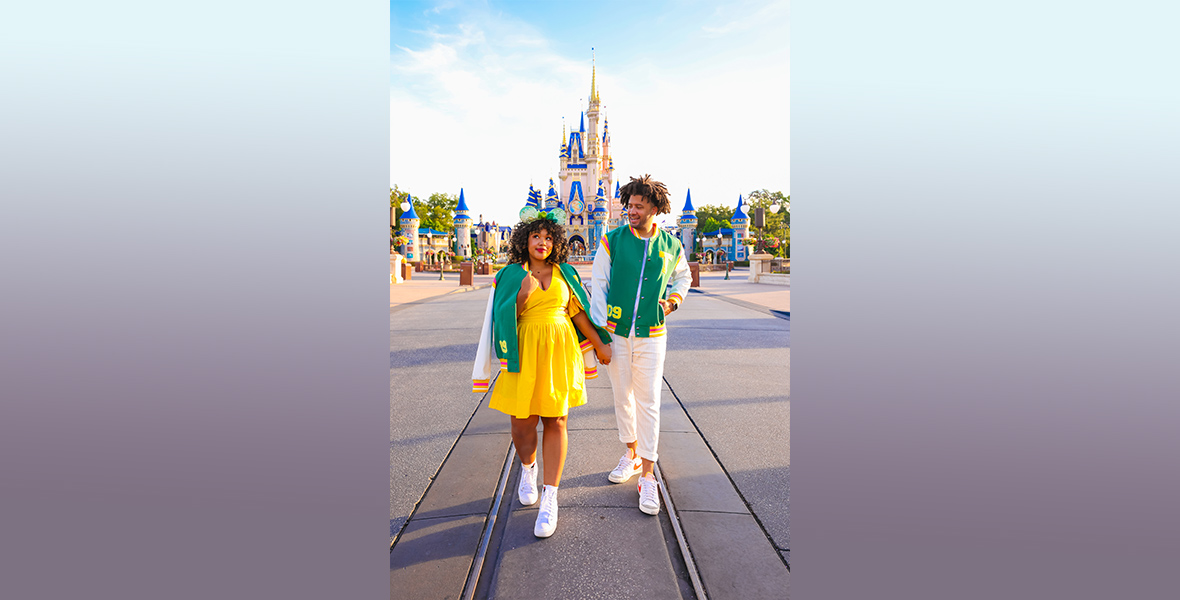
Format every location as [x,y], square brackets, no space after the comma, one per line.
[478,103]
[747,18]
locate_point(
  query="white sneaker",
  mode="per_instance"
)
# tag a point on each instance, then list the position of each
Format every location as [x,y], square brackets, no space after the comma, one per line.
[628,468]
[547,516]
[649,495]
[528,485]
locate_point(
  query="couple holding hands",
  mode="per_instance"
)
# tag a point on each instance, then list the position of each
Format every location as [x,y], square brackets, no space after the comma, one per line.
[536,325]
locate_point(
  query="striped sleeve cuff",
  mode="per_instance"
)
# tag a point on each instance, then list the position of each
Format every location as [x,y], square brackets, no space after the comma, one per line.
[677,297]
[480,385]
[592,372]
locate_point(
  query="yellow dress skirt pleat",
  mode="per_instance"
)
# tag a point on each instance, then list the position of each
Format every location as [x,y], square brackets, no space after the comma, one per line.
[552,375]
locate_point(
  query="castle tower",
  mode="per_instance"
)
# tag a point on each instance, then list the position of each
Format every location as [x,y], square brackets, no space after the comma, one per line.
[615,218]
[562,155]
[599,217]
[551,199]
[410,223]
[688,224]
[607,167]
[741,232]
[462,228]
[585,164]
[581,166]
[592,114]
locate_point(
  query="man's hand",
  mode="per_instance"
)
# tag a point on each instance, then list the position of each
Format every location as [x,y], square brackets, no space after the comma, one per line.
[668,306]
[603,354]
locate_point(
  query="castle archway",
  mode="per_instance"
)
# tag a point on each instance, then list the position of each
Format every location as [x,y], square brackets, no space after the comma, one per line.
[577,246]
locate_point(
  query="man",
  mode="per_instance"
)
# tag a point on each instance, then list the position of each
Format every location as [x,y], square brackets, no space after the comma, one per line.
[632,268]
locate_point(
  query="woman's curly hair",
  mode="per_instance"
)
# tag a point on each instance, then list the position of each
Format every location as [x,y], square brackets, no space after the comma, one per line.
[518,247]
[653,191]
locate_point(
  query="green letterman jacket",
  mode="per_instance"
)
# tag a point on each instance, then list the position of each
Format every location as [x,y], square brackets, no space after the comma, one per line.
[631,273]
[499,338]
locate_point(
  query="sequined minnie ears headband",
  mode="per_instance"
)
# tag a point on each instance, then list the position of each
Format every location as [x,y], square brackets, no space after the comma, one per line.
[529,214]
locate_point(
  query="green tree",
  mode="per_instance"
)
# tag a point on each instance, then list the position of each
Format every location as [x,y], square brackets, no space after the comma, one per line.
[710,218]
[438,211]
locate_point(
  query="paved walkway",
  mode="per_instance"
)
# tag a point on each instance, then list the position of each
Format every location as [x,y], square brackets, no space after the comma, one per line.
[724,448]
[425,285]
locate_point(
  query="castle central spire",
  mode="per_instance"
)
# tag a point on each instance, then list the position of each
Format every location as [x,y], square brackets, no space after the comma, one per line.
[593,74]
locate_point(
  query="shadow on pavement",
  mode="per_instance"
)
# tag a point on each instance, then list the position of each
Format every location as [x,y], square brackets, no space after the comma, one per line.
[428,356]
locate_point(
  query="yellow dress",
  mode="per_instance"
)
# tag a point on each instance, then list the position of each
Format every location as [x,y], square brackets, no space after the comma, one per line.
[552,375]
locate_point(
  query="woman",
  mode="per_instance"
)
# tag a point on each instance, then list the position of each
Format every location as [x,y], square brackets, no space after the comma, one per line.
[536,325]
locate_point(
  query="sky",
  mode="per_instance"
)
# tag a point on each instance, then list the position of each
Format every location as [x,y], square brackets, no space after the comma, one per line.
[697,93]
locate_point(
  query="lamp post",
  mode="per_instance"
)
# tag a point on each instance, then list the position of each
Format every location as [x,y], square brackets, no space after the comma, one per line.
[776,207]
[726,255]
[442,255]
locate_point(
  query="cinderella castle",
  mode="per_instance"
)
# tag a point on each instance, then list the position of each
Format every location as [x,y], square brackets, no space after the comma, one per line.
[585,174]
[583,192]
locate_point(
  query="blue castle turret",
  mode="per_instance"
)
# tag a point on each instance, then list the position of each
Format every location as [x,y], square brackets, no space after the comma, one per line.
[462,222]
[551,199]
[741,228]
[599,217]
[409,223]
[688,224]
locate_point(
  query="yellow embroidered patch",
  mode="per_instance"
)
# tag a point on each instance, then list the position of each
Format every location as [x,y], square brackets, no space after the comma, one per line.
[503,345]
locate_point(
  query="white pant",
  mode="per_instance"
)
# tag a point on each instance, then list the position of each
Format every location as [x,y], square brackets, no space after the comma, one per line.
[636,372]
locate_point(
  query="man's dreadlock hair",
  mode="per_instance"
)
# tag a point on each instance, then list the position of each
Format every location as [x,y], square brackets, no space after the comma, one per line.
[518,247]
[653,191]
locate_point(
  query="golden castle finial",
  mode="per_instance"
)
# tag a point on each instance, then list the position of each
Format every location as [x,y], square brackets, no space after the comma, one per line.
[593,87]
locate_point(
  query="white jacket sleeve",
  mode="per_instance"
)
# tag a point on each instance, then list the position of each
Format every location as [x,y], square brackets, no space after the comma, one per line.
[481,373]
[600,284]
[681,280]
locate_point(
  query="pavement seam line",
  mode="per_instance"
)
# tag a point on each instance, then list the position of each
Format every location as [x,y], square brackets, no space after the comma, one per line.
[463,515]
[727,475]
[685,553]
[410,517]
[481,554]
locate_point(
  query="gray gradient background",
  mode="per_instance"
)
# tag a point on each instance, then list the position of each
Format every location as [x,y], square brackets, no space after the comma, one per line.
[193,346]
[984,374]
[192,324]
